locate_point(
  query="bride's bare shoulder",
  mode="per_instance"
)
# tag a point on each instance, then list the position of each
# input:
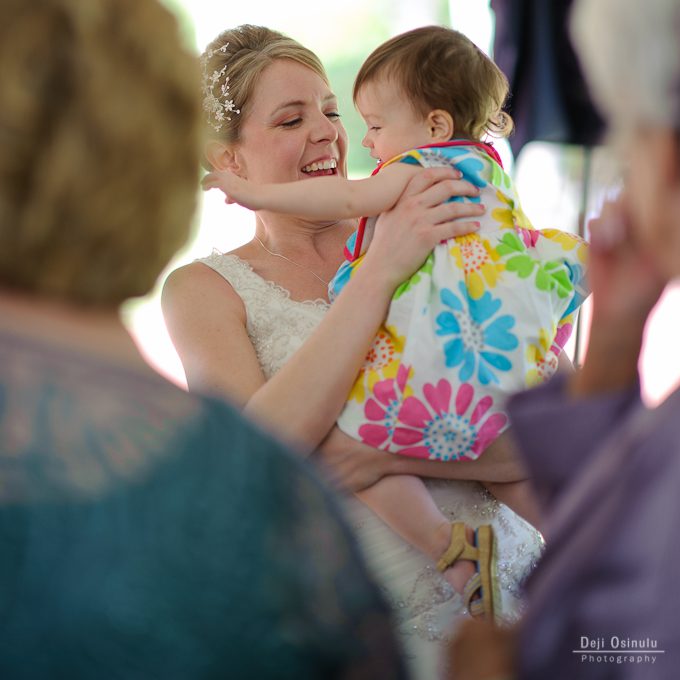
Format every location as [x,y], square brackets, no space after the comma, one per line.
[196,286]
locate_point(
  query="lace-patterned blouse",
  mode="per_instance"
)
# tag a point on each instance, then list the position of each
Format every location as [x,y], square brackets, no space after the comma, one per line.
[149,533]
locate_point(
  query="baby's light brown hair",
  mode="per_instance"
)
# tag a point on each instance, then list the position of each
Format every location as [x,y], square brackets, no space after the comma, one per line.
[439,68]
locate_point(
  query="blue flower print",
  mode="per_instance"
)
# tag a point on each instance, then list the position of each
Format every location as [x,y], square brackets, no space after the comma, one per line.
[580,292]
[470,167]
[476,334]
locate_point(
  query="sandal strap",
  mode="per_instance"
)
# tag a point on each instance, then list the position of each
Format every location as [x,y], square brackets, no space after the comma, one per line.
[459,548]
[474,584]
[476,607]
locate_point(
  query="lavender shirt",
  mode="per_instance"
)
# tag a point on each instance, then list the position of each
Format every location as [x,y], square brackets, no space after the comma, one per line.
[604,601]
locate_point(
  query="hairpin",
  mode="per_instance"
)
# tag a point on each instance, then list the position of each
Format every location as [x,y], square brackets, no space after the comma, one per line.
[217,107]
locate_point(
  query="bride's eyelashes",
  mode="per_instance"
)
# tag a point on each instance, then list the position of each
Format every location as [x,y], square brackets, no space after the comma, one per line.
[332,115]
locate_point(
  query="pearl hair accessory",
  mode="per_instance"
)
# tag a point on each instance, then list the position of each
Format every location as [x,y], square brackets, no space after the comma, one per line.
[217,107]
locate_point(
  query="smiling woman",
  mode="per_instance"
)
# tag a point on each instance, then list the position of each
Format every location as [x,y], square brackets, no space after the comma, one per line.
[254,324]
[270,115]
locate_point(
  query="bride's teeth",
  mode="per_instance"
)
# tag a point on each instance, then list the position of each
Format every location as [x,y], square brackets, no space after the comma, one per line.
[322,165]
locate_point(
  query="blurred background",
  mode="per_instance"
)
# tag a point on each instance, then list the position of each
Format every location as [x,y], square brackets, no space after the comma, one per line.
[562,173]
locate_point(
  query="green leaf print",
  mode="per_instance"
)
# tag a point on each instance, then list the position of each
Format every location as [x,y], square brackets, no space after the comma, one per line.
[543,279]
[499,177]
[565,287]
[522,265]
[510,243]
[427,268]
[551,276]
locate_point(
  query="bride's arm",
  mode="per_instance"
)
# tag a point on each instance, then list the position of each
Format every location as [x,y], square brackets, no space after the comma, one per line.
[354,466]
[301,402]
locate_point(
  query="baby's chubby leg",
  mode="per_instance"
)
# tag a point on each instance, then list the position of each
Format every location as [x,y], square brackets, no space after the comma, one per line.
[406,506]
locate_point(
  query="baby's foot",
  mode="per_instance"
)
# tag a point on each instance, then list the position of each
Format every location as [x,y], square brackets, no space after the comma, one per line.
[460,572]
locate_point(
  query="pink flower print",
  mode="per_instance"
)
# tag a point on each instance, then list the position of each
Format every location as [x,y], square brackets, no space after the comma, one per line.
[434,431]
[529,236]
[564,329]
[382,409]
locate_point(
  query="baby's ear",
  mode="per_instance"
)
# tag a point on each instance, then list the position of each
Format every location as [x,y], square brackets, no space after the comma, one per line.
[221,157]
[440,124]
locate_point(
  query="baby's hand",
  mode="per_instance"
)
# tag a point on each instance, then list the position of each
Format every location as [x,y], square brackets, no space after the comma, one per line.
[235,188]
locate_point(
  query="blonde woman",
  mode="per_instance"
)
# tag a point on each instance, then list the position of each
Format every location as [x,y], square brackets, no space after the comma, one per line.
[144,532]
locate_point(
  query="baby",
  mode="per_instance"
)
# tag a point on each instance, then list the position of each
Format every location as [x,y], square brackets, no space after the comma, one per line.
[486,315]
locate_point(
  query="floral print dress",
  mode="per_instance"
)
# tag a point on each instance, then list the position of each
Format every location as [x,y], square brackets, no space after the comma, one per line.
[486,315]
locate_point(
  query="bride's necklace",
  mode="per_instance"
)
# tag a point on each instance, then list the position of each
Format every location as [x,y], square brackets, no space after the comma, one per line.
[297,264]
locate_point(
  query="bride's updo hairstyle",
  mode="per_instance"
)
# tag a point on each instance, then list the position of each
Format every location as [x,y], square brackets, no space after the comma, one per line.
[232,64]
[100,138]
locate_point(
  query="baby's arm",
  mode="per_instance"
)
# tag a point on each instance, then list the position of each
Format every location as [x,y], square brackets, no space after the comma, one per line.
[318,198]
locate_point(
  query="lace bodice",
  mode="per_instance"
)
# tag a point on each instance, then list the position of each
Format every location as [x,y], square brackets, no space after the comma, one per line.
[276,324]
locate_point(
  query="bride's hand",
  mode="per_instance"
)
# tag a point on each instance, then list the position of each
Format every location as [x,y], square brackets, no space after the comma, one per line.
[405,235]
[351,465]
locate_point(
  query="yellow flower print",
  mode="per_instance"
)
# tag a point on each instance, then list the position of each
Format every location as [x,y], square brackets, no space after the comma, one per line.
[542,361]
[511,216]
[480,262]
[568,242]
[382,362]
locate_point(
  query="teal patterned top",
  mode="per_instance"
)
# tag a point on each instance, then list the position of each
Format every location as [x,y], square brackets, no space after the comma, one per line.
[149,533]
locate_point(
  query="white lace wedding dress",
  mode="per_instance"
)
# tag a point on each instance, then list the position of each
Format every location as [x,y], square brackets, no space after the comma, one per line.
[425,606]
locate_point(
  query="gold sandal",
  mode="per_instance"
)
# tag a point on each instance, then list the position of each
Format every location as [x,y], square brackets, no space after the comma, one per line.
[483,554]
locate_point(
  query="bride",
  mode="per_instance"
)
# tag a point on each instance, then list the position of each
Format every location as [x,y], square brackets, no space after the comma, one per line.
[254,325]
